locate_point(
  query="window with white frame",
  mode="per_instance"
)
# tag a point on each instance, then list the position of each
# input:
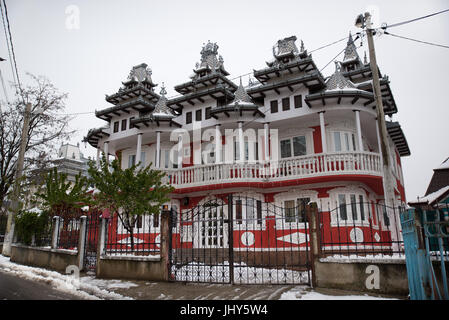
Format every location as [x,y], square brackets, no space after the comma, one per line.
[343,141]
[295,210]
[132,159]
[293,147]
[352,207]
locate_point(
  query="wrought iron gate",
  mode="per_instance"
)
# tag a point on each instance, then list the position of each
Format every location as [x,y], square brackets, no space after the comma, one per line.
[91,242]
[241,240]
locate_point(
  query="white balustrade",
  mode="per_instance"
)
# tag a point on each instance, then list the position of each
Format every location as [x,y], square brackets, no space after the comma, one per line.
[292,168]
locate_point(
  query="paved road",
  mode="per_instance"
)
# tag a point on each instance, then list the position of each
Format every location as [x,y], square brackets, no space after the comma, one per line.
[15,288]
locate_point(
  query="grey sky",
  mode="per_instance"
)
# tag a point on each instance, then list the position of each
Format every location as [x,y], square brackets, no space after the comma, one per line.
[91,61]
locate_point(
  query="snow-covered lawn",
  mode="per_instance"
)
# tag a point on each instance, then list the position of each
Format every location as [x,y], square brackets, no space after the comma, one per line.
[84,287]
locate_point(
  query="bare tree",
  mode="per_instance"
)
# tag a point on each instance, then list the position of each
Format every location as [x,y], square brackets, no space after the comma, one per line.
[48,128]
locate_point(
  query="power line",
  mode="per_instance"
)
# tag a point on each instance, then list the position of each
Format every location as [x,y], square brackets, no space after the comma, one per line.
[12,48]
[333,59]
[416,40]
[7,44]
[413,20]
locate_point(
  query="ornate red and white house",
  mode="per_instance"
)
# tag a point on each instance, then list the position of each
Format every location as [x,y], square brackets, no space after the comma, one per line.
[290,137]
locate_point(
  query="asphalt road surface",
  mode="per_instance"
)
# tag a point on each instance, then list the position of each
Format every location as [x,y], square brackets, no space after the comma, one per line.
[13,287]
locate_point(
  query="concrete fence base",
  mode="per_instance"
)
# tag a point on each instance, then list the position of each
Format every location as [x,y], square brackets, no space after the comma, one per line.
[381,277]
[55,259]
[133,268]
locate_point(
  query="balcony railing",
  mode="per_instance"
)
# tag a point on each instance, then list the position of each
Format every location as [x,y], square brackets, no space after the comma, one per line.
[287,169]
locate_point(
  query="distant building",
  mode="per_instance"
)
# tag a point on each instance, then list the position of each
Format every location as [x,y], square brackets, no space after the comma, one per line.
[71,161]
[438,190]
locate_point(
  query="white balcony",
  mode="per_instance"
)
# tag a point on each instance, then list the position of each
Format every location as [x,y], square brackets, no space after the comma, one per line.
[358,163]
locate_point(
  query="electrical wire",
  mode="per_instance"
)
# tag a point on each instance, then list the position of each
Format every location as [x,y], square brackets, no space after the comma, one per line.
[12,48]
[416,40]
[8,46]
[413,20]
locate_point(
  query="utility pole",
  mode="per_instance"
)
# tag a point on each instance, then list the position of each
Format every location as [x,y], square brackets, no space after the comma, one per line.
[9,236]
[365,21]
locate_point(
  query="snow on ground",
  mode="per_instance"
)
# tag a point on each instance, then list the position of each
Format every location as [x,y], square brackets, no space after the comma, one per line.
[300,293]
[243,274]
[85,288]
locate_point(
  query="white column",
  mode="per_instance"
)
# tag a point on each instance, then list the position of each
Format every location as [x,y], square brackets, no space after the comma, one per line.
[241,143]
[218,142]
[158,149]
[139,148]
[266,141]
[323,132]
[106,151]
[359,130]
[180,152]
[98,157]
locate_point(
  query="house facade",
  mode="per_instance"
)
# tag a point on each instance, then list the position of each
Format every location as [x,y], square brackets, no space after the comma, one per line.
[289,137]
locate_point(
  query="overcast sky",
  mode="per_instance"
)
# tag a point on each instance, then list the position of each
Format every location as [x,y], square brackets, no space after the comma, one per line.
[92,60]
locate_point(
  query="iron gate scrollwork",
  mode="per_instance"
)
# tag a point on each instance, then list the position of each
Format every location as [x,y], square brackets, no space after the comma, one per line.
[241,240]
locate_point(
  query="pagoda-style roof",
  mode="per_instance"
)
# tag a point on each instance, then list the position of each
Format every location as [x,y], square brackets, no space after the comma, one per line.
[398,137]
[94,135]
[209,61]
[337,86]
[139,103]
[137,93]
[204,82]
[242,103]
[351,59]
[310,80]
[387,95]
[161,113]
[219,92]
[287,60]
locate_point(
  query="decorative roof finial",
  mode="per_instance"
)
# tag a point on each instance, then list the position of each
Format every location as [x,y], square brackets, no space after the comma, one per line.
[365,60]
[163,91]
[337,66]
[302,46]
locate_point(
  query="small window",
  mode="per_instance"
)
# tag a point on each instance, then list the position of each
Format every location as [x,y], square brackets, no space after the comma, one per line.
[301,205]
[208,112]
[116,124]
[189,117]
[198,114]
[354,207]
[124,122]
[130,120]
[342,207]
[274,106]
[238,211]
[289,211]
[249,211]
[131,160]
[285,104]
[362,208]
[298,101]
[299,146]
[259,212]
[286,149]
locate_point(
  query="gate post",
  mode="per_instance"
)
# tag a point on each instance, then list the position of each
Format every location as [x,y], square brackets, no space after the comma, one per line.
[55,234]
[231,239]
[166,239]
[101,242]
[312,216]
[82,241]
